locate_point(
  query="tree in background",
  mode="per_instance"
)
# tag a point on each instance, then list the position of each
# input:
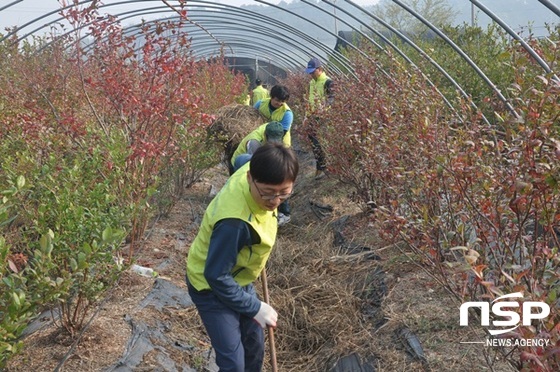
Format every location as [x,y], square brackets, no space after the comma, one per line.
[438,12]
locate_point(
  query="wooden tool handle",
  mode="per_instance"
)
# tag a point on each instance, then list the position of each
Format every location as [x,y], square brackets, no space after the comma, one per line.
[270,328]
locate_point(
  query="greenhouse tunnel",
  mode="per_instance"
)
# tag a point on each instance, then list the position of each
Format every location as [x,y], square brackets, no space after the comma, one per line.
[249,27]
[246,36]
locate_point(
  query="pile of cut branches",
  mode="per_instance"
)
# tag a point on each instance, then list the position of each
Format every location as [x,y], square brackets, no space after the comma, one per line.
[320,307]
[232,123]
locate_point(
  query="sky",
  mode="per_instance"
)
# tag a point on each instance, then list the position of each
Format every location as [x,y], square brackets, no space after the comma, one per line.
[19,12]
[26,10]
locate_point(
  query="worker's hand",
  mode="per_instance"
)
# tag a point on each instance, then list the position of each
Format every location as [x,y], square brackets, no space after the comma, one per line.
[266,315]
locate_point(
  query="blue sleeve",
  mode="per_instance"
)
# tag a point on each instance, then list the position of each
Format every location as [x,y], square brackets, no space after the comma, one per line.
[258,104]
[287,120]
[228,237]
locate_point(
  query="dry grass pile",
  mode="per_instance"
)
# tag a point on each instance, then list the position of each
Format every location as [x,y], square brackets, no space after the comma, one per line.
[232,123]
[319,304]
[235,121]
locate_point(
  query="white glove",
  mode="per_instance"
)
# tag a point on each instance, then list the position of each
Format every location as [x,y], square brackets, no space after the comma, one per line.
[266,315]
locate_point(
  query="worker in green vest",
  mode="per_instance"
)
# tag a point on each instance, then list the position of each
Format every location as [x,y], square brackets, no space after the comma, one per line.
[231,249]
[267,132]
[321,96]
[275,108]
[259,92]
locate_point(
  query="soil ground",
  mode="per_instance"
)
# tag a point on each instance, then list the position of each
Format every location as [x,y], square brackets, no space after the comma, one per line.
[393,303]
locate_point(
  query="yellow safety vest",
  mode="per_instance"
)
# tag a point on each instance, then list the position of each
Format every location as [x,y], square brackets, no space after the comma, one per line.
[257,134]
[259,93]
[317,91]
[234,201]
[276,115]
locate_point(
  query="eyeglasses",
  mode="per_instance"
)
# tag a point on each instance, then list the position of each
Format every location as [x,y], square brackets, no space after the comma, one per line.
[272,197]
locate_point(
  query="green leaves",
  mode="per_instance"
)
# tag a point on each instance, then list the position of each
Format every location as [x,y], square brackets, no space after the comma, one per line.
[20,182]
[478,201]
[45,243]
[90,147]
[15,307]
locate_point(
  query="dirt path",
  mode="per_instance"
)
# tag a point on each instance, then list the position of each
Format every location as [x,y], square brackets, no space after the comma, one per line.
[346,301]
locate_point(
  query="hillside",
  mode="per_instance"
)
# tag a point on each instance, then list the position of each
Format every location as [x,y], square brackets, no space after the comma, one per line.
[518,14]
